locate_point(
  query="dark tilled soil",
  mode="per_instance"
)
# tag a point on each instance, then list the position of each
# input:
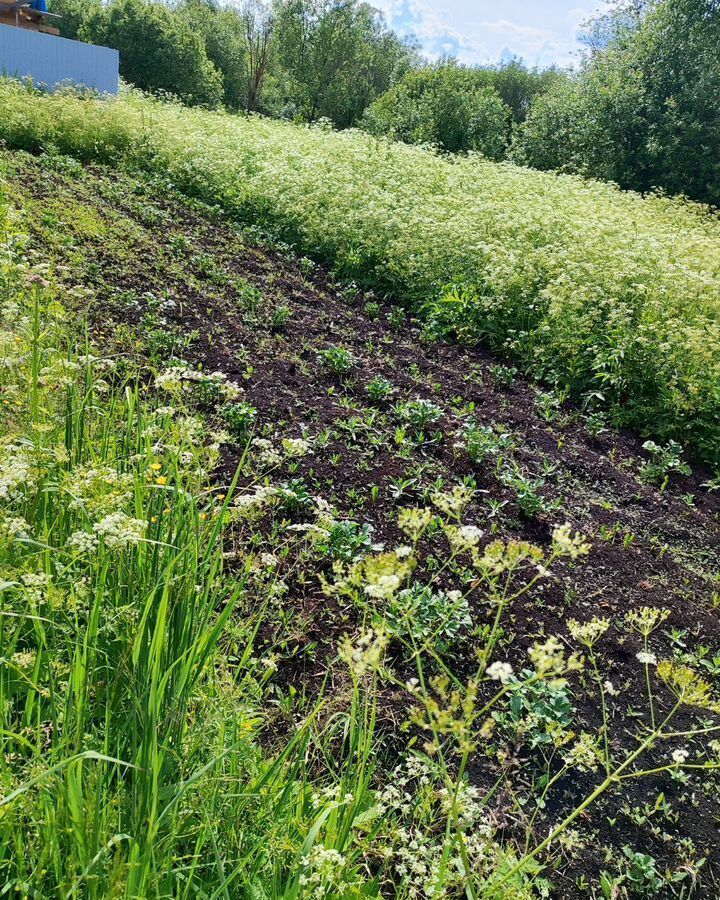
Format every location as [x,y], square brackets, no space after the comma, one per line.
[130,243]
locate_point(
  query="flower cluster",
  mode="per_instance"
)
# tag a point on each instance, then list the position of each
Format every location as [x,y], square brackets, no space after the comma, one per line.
[499,671]
[646,619]
[179,378]
[326,875]
[82,542]
[453,503]
[585,754]
[365,654]
[119,531]
[687,686]
[15,471]
[588,633]
[549,659]
[565,543]
[99,490]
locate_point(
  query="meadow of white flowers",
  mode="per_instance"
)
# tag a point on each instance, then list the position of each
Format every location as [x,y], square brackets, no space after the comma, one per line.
[610,294]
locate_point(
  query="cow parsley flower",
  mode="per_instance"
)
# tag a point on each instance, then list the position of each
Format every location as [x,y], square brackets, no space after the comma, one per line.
[15,472]
[119,531]
[499,671]
[588,633]
[83,542]
[463,538]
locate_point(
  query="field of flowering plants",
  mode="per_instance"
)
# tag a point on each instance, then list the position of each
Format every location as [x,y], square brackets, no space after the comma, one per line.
[303,597]
[610,296]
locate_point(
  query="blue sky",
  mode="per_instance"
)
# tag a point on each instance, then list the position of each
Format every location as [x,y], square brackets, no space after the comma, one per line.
[480,31]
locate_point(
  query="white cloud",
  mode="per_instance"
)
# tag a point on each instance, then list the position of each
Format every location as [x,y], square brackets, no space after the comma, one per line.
[483,40]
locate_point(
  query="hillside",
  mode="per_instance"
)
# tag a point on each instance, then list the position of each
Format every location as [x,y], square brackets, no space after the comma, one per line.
[232,696]
[608,296]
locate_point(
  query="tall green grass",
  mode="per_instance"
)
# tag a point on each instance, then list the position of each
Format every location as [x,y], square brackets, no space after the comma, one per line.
[129,756]
[611,295]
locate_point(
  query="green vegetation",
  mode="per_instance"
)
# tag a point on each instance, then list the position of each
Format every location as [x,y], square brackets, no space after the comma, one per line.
[640,111]
[644,111]
[306,59]
[612,298]
[266,636]
[458,108]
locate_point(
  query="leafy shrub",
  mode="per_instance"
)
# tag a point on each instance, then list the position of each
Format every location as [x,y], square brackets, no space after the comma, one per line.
[641,874]
[295,496]
[347,540]
[538,711]
[419,414]
[159,51]
[397,317]
[447,106]
[664,462]
[643,111]
[527,492]
[379,389]
[482,442]
[280,317]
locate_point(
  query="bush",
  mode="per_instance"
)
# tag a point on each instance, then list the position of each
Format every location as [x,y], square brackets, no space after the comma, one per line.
[444,106]
[159,51]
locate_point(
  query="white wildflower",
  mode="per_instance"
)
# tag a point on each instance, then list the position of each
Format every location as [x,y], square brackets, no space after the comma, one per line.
[24,659]
[567,544]
[499,671]
[584,754]
[83,542]
[36,584]
[366,654]
[295,446]
[119,531]
[383,587]
[453,503]
[588,633]
[14,472]
[463,538]
[14,527]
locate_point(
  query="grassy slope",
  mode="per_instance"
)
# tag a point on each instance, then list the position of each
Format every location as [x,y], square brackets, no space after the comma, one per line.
[614,296]
[162,279]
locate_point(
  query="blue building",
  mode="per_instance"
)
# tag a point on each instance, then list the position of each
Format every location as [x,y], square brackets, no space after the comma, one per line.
[30,47]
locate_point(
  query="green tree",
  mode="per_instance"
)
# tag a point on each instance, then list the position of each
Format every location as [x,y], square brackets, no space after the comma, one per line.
[159,50]
[450,106]
[338,55]
[644,111]
[223,36]
[74,14]
[519,86]
[258,22]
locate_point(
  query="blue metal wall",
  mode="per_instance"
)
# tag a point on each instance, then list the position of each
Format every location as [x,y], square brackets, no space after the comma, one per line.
[52,60]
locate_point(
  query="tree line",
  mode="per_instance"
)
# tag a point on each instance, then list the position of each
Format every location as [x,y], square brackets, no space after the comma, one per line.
[305,59]
[643,109]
